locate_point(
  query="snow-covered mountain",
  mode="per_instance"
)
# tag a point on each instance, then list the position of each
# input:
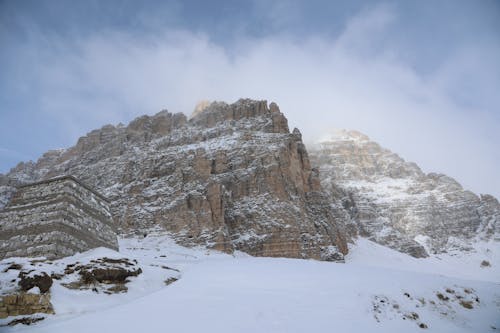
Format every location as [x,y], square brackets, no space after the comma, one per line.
[232,177]
[419,252]
[394,203]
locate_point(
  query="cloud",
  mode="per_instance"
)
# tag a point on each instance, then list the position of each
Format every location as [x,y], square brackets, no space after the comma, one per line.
[353,80]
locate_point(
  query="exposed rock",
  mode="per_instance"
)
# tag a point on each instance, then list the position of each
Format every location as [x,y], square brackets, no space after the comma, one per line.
[107,275]
[200,107]
[25,321]
[232,178]
[395,204]
[485,263]
[107,271]
[24,304]
[40,279]
[55,218]
[171,280]
[14,266]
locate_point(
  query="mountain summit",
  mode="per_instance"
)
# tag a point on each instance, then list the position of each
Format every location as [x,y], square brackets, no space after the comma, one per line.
[394,203]
[230,178]
[233,177]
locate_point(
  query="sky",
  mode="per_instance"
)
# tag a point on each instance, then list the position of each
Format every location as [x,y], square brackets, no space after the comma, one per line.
[422,78]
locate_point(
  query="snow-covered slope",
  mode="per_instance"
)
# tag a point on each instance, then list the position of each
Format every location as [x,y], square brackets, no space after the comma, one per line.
[376,290]
[463,265]
[234,178]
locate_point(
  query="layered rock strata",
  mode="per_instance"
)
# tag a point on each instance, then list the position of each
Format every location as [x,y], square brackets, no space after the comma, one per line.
[232,177]
[396,204]
[55,218]
[25,304]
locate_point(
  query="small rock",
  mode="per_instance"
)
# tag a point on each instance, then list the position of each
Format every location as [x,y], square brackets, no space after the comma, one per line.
[412,316]
[25,321]
[14,266]
[485,263]
[466,304]
[442,297]
[170,280]
[41,280]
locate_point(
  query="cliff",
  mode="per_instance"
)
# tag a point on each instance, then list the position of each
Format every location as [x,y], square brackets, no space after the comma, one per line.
[232,177]
[394,203]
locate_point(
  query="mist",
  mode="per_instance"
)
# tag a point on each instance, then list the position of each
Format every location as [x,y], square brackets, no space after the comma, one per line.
[443,115]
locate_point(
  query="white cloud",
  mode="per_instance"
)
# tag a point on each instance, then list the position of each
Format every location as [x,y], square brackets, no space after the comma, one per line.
[319,83]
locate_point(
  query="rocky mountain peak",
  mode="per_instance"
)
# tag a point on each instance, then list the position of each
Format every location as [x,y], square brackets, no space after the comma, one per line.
[343,135]
[200,107]
[352,155]
[244,109]
[232,177]
[394,203]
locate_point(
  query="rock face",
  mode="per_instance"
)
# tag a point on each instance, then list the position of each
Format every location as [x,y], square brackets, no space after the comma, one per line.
[106,274]
[24,304]
[41,280]
[55,218]
[395,204]
[232,177]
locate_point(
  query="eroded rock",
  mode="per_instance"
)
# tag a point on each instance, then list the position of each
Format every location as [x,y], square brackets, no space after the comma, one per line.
[24,304]
[29,280]
[394,203]
[232,177]
[108,274]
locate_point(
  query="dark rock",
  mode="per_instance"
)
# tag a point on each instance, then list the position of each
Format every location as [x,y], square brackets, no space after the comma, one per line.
[233,177]
[107,275]
[25,321]
[41,280]
[107,271]
[442,297]
[485,263]
[14,266]
[170,280]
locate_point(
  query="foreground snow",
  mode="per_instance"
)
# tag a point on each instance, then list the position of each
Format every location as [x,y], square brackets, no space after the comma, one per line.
[463,265]
[377,290]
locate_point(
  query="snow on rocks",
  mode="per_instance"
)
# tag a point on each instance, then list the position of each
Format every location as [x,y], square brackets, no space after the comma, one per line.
[195,289]
[201,178]
[394,203]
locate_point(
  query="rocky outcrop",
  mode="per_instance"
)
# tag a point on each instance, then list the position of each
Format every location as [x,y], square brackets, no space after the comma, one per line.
[232,177]
[29,280]
[106,274]
[55,218]
[395,204]
[26,294]
[24,304]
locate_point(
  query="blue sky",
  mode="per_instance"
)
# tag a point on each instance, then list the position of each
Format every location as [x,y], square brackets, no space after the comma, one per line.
[420,77]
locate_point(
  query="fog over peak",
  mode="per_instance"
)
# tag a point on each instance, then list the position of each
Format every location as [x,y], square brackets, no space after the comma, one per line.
[420,81]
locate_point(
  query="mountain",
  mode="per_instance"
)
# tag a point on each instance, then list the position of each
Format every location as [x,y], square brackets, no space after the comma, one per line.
[232,177]
[394,203]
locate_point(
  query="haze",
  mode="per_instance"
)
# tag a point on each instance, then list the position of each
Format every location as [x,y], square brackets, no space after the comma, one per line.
[422,78]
